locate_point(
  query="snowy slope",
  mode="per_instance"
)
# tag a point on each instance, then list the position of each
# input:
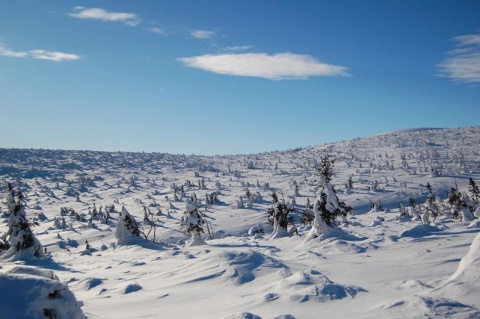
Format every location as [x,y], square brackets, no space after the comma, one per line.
[386,267]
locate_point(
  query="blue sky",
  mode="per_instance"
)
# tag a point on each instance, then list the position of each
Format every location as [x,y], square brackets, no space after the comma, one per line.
[227,77]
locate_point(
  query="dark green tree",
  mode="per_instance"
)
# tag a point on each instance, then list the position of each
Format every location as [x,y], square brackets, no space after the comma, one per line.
[326,169]
[474,190]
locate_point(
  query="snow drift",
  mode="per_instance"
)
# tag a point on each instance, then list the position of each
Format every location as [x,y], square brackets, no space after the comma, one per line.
[37,293]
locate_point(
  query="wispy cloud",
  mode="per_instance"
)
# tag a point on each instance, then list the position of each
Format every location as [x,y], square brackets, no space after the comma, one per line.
[156,30]
[239,48]
[4,51]
[463,63]
[274,67]
[470,39]
[53,56]
[130,19]
[202,34]
[39,54]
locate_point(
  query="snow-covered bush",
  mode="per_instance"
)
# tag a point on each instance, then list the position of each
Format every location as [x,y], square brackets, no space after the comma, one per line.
[127,228]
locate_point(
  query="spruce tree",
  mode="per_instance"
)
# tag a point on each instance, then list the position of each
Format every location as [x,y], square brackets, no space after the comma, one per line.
[474,190]
[456,202]
[455,198]
[19,239]
[431,207]
[327,206]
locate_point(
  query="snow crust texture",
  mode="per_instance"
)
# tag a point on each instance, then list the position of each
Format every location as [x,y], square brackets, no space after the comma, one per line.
[403,252]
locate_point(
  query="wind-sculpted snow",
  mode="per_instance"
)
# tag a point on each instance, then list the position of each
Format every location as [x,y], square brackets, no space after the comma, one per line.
[464,284]
[457,297]
[248,315]
[88,283]
[243,315]
[387,260]
[312,286]
[420,231]
[428,307]
[232,267]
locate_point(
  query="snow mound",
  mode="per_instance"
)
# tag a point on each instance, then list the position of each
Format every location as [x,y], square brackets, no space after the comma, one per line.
[195,241]
[464,285]
[236,267]
[243,265]
[249,315]
[420,231]
[287,316]
[335,245]
[313,286]
[430,308]
[34,271]
[88,283]
[35,294]
[131,288]
[414,284]
[474,224]
[243,315]
[346,247]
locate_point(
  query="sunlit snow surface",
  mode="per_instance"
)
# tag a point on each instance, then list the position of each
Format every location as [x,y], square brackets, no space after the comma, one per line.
[379,268]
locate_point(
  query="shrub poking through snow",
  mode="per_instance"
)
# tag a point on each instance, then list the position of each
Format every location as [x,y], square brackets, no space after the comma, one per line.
[127,228]
[327,206]
[19,240]
[193,222]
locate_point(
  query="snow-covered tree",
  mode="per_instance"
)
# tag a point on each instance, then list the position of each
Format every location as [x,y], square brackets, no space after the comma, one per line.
[127,228]
[349,185]
[296,189]
[402,214]
[474,190]
[278,217]
[19,240]
[455,201]
[430,206]
[327,206]
[194,223]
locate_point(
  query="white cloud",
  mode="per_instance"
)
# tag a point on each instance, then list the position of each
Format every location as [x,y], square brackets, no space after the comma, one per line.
[275,67]
[39,54]
[463,63]
[9,53]
[105,15]
[53,55]
[470,39]
[202,34]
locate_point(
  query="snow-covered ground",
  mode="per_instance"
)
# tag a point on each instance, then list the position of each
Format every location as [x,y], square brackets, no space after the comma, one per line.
[385,267]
